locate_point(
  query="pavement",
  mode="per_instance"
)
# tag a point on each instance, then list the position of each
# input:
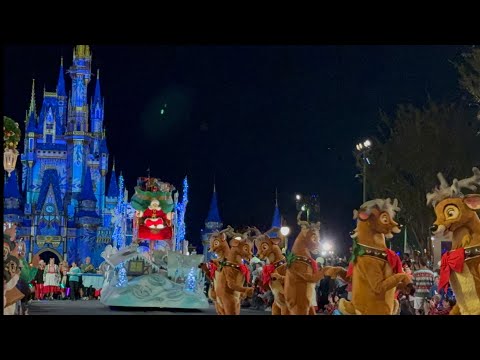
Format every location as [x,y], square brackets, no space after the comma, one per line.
[95,307]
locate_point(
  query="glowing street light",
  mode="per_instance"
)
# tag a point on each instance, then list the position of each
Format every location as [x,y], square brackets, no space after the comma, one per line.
[327,246]
[362,148]
[298,197]
[285,230]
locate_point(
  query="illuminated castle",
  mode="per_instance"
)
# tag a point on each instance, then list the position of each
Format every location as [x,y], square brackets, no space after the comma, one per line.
[63,210]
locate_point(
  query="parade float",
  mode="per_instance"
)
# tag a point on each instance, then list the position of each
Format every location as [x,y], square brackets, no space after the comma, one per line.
[155,270]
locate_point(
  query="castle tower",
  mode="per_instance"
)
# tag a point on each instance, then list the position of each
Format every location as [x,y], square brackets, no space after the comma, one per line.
[77,136]
[212,223]
[111,199]
[29,149]
[87,221]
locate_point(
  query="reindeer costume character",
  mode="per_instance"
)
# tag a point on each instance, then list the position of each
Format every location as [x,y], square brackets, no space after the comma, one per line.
[374,269]
[229,283]
[218,245]
[302,271]
[269,249]
[456,215]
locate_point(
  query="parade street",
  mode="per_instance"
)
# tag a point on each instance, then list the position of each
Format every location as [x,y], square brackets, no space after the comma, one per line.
[95,307]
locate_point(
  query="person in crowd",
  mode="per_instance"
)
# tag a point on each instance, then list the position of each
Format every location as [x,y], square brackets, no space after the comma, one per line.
[38,280]
[257,271]
[88,267]
[322,293]
[406,260]
[434,289]
[51,277]
[447,305]
[406,300]
[257,302]
[423,280]
[332,304]
[74,280]
[435,303]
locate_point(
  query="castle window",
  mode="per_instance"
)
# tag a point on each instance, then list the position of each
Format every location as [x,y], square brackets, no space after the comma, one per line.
[49,126]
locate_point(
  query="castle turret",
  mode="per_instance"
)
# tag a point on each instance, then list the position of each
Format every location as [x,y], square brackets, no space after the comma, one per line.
[212,223]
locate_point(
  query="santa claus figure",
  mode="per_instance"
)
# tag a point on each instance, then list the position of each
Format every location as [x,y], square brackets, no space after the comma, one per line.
[156,224]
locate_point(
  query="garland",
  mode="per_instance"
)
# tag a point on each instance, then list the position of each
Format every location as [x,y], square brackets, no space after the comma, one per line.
[11,133]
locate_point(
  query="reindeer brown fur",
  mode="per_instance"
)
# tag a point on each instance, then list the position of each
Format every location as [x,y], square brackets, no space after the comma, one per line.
[302,273]
[218,245]
[229,285]
[268,248]
[456,216]
[374,277]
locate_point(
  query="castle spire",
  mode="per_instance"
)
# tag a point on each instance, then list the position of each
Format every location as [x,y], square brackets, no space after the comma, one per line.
[113,187]
[97,96]
[61,81]
[33,105]
[277,219]
[213,214]
[87,190]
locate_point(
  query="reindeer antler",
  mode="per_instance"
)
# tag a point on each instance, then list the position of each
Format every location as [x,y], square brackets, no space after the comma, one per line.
[468,183]
[302,223]
[257,232]
[445,191]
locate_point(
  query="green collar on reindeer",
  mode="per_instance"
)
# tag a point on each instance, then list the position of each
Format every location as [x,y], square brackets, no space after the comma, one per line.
[240,267]
[382,254]
[291,258]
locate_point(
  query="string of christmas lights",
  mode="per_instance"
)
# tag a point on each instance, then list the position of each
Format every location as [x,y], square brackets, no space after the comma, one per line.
[180,212]
[191,281]
[118,235]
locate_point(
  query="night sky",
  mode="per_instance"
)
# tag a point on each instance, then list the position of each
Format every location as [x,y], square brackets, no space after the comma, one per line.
[255,117]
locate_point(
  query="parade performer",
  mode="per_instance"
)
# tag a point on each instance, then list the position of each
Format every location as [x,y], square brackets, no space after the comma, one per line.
[51,278]
[219,246]
[302,272]
[11,277]
[232,276]
[456,216]
[269,249]
[39,293]
[375,270]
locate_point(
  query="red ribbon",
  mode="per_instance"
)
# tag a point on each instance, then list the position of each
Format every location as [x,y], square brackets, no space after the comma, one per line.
[394,261]
[314,265]
[246,272]
[350,269]
[267,271]
[212,268]
[451,260]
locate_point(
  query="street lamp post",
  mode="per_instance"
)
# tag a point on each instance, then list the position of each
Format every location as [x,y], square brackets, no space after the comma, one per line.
[285,230]
[11,137]
[363,149]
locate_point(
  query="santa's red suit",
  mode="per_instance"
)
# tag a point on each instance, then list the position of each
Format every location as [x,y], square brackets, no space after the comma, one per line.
[155,226]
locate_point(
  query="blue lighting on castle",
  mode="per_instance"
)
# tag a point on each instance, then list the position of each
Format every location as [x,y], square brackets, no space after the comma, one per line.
[63,209]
